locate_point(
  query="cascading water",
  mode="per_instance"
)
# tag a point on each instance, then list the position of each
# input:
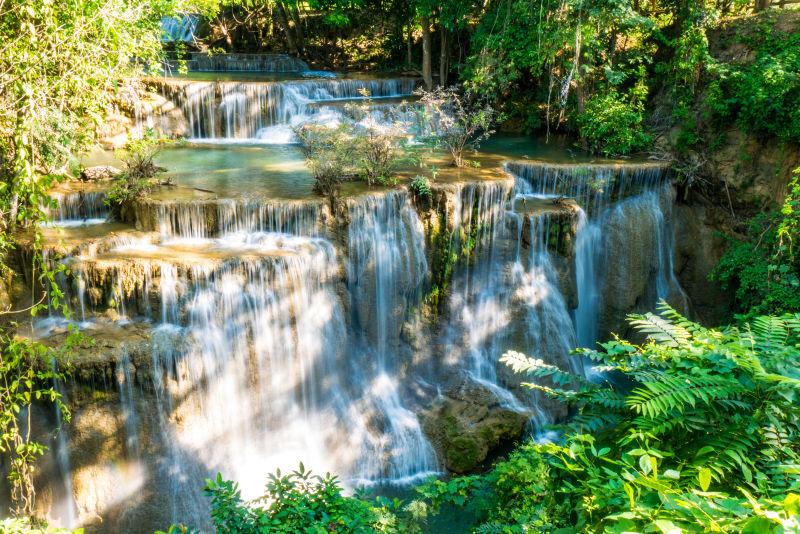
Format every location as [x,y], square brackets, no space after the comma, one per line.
[265,112]
[386,272]
[504,298]
[203,62]
[79,208]
[280,332]
[609,193]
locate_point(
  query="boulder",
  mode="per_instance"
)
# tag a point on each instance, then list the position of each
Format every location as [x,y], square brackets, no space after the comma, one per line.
[468,422]
[99,173]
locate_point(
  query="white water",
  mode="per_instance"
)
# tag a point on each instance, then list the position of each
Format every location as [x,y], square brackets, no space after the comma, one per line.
[78,209]
[266,112]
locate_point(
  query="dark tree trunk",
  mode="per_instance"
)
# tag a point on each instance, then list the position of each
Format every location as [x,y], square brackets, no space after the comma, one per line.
[298,29]
[283,20]
[444,57]
[427,60]
[410,45]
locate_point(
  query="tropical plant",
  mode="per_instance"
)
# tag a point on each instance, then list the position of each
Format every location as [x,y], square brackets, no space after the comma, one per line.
[453,121]
[762,267]
[702,435]
[303,502]
[26,526]
[420,187]
[28,372]
[612,124]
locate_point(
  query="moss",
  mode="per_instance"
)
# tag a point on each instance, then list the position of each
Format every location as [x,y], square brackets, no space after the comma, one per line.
[463,454]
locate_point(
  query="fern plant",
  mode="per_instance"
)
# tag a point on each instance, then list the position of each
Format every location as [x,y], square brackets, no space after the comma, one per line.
[696,430]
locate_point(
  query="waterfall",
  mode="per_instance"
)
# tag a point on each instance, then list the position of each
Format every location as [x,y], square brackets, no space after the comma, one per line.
[266,111]
[587,264]
[67,504]
[204,62]
[386,269]
[609,194]
[126,394]
[78,208]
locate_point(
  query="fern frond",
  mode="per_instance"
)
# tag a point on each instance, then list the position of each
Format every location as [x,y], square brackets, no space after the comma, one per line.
[670,314]
[593,422]
[769,332]
[522,364]
[660,330]
[663,392]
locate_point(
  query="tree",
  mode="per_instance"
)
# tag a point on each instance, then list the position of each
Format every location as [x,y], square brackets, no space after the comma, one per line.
[454,122]
[61,64]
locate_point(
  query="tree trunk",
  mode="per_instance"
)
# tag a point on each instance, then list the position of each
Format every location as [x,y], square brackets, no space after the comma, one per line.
[410,45]
[444,58]
[300,39]
[427,62]
[761,5]
[283,20]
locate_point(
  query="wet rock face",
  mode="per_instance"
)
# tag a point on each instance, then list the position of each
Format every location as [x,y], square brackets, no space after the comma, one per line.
[467,423]
[699,245]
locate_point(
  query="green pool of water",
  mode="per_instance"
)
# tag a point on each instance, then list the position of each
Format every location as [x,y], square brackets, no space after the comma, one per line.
[279,171]
[270,171]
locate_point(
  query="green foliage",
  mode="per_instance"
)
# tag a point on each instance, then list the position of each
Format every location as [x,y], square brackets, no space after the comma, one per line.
[703,437]
[359,146]
[139,173]
[303,502]
[27,372]
[761,96]
[763,267]
[329,154]
[380,147]
[454,121]
[612,124]
[26,526]
[420,187]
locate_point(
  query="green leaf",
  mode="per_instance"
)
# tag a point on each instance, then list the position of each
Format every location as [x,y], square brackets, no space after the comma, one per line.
[704,477]
[667,527]
[791,504]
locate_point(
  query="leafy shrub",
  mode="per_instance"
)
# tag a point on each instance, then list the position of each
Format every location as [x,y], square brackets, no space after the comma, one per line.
[329,154]
[140,170]
[612,124]
[762,96]
[703,437]
[302,502]
[420,187]
[379,146]
[26,526]
[763,268]
[454,122]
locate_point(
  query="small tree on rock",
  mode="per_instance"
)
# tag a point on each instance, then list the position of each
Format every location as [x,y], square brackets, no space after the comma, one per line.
[450,120]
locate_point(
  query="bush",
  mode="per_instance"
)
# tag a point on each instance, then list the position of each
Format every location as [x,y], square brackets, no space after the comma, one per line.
[454,122]
[329,155]
[763,268]
[420,187]
[612,125]
[302,502]
[762,96]
[137,178]
[379,146]
[703,437]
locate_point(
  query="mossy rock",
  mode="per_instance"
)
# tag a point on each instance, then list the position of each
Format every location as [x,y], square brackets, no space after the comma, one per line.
[464,454]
